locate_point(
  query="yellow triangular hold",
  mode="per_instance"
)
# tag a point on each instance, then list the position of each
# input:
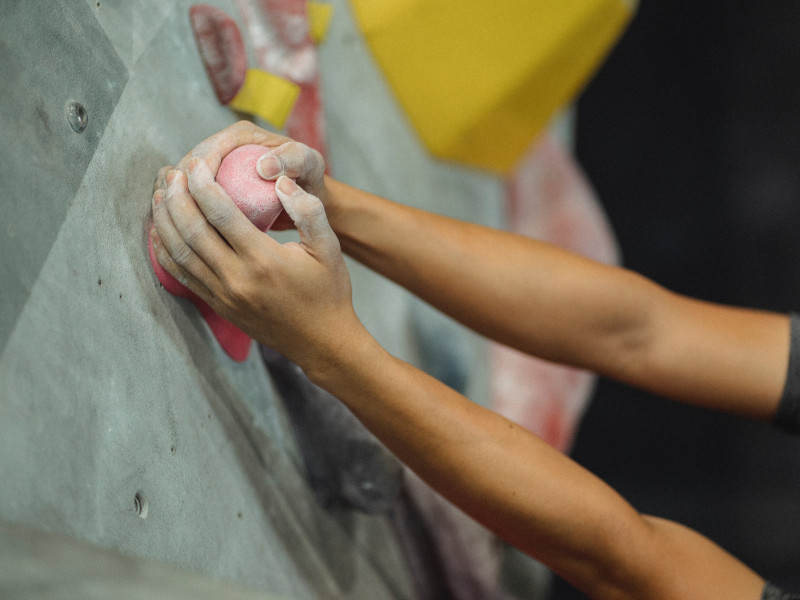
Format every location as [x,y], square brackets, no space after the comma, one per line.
[319,19]
[267,96]
[480,80]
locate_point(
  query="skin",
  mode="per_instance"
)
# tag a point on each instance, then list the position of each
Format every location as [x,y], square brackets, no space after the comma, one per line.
[296,298]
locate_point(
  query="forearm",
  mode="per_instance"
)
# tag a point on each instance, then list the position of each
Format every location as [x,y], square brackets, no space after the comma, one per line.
[516,290]
[524,490]
[562,307]
[296,298]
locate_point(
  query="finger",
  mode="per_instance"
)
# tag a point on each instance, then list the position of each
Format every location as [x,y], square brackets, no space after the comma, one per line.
[216,147]
[308,215]
[219,209]
[160,182]
[180,253]
[194,228]
[178,272]
[294,160]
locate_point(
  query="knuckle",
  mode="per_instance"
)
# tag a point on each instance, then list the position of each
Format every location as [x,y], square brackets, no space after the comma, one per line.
[160,180]
[243,125]
[220,215]
[195,231]
[291,156]
[308,206]
[234,290]
[182,254]
[314,163]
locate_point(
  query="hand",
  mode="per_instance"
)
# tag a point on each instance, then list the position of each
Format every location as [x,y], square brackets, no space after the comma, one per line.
[293,297]
[282,156]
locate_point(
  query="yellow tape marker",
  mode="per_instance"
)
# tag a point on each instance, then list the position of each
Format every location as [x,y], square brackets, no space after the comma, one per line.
[319,19]
[267,96]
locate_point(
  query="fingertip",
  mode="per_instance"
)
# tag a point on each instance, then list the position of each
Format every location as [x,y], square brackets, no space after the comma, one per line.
[193,164]
[269,167]
[158,198]
[199,174]
[286,185]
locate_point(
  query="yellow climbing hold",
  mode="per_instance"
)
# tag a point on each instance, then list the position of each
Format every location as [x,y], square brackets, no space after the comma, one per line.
[319,19]
[479,80]
[267,96]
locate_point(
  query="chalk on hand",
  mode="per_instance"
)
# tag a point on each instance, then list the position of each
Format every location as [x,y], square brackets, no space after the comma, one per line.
[258,201]
[255,197]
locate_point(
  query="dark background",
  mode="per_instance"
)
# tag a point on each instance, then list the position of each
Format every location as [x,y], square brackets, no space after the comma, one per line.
[690,133]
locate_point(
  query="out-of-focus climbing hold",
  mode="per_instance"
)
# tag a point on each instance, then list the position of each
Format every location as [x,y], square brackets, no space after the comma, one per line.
[221,49]
[319,19]
[258,201]
[254,196]
[480,80]
[224,57]
[550,199]
[267,96]
[278,32]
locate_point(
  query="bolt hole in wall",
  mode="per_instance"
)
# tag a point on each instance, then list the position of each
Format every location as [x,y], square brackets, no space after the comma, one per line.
[77,117]
[140,504]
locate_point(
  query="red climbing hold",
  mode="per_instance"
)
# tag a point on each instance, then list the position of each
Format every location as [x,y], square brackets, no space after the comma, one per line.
[221,49]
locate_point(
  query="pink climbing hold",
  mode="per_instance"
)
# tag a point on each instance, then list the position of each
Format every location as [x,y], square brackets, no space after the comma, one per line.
[235,342]
[221,48]
[257,199]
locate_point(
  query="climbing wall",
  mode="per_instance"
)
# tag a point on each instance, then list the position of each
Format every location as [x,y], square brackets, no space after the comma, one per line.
[124,425]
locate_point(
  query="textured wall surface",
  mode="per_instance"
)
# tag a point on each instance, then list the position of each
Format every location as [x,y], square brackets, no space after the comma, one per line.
[123,423]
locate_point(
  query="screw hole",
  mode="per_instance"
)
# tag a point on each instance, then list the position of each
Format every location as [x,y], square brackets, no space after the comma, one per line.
[77,116]
[140,505]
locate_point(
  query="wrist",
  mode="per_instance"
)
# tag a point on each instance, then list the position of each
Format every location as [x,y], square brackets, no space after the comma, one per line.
[338,363]
[339,199]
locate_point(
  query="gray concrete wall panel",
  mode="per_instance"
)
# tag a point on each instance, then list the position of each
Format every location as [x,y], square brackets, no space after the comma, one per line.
[49,67]
[124,425]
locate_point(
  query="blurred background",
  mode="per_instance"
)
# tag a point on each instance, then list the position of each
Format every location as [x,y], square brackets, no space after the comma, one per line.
[691,135]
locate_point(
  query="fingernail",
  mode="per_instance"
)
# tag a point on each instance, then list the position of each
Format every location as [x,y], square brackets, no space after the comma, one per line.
[158,197]
[268,167]
[285,185]
[154,237]
[176,180]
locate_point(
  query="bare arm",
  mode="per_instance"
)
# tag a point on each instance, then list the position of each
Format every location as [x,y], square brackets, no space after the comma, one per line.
[541,299]
[559,306]
[527,492]
[296,298]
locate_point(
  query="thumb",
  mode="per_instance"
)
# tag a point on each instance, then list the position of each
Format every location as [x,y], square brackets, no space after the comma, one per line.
[308,215]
